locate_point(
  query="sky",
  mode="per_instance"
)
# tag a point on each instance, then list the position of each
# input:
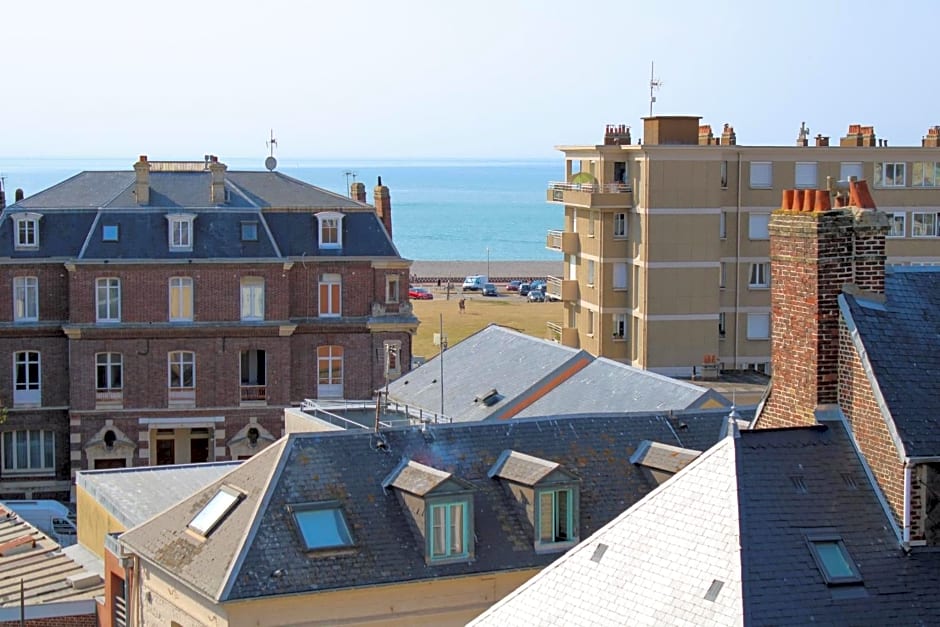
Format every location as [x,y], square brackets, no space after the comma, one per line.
[400,79]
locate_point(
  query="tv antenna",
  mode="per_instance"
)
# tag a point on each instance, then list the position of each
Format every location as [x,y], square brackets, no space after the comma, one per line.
[270,163]
[347,174]
[655,84]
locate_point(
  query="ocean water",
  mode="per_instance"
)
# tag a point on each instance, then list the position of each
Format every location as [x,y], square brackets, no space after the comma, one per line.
[441,210]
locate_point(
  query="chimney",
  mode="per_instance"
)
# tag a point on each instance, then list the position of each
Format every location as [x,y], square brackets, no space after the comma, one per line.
[357,191]
[728,138]
[705,135]
[868,136]
[216,181]
[815,251]
[617,135]
[803,138]
[18,195]
[859,135]
[932,139]
[142,181]
[383,205]
[822,140]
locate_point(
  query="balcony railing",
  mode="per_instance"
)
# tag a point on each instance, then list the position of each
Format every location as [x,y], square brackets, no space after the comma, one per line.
[591,188]
[254,393]
[109,397]
[554,331]
[562,241]
[561,289]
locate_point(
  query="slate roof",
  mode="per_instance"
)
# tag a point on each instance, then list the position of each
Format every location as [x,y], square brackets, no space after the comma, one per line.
[739,515]
[74,211]
[536,377]
[129,495]
[239,559]
[900,345]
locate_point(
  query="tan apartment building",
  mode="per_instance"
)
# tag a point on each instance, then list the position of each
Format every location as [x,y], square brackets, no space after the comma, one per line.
[666,244]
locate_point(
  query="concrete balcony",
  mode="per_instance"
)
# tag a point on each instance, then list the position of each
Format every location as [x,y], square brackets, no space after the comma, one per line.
[561,289]
[591,195]
[566,336]
[562,241]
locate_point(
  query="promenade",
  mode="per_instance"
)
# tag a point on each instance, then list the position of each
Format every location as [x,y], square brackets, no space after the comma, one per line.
[499,271]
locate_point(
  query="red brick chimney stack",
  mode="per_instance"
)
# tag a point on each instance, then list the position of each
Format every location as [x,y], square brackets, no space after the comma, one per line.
[932,138]
[383,205]
[816,251]
[357,191]
[705,135]
[728,136]
[617,135]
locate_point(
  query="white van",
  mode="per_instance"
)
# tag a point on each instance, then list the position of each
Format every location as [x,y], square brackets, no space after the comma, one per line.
[51,517]
[474,283]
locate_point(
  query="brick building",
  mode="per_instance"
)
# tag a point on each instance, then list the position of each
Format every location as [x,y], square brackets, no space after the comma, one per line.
[168,315]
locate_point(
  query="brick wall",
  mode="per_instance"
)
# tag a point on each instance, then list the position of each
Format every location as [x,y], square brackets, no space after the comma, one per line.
[52,285]
[88,620]
[810,261]
[868,426]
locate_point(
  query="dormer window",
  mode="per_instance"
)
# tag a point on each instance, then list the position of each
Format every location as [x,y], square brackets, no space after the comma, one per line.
[26,231]
[181,231]
[330,226]
[441,507]
[547,495]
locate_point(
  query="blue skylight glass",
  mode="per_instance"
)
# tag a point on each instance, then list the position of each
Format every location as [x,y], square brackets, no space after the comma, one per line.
[322,528]
[109,232]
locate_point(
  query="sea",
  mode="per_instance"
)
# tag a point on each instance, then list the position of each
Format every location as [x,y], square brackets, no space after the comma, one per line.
[442,210]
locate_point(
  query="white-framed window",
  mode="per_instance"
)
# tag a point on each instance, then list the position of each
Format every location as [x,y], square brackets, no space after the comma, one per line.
[392,350]
[181,299]
[850,168]
[890,174]
[25,298]
[757,224]
[590,322]
[620,326]
[722,274]
[923,224]
[722,329]
[26,231]
[591,220]
[898,224]
[759,275]
[27,379]
[449,528]
[330,371]
[252,298]
[723,225]
[758,326]
[620,225]
[392,288]
[590,272]
[108,299]
[620,275]
[762,174]
[805,174]
[28,451]
[182,370]
[181,231]
[925,174]
[331,288]
[330,229]
[109,371]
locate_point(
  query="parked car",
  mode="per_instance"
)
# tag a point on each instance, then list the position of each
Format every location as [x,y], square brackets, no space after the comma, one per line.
[513,286]
[524,289]
[419,293]
[537,284]
[474,283]
[490,290]
[536,296]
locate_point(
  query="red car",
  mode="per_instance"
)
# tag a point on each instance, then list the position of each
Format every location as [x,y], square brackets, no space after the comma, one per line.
[419,293]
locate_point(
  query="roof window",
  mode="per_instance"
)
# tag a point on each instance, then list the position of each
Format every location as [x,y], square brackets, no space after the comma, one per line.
[213,512]
[833,559]
[26,231]
[249,231]
[109,233]
[321,525]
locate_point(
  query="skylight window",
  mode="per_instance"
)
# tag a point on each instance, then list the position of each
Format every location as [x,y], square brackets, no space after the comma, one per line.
[109,232]
[215,511]
[322,526]
[833,559]
[249,231]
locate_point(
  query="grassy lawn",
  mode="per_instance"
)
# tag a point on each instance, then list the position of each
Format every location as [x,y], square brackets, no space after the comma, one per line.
[508,309]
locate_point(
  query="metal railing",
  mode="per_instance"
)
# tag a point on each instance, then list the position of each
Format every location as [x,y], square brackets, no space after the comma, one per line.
[254,392]
[554,332]
[392,413]
[593,188]
[553,239]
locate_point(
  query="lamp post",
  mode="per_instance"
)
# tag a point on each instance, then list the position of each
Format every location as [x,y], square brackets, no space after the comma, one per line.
[488,264]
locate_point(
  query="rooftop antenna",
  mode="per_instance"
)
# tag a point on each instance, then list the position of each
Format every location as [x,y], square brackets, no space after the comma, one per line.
[270,163]
[655,84]
[347,174]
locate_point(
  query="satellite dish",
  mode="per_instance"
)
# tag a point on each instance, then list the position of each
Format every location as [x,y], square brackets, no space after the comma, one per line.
[270,163]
